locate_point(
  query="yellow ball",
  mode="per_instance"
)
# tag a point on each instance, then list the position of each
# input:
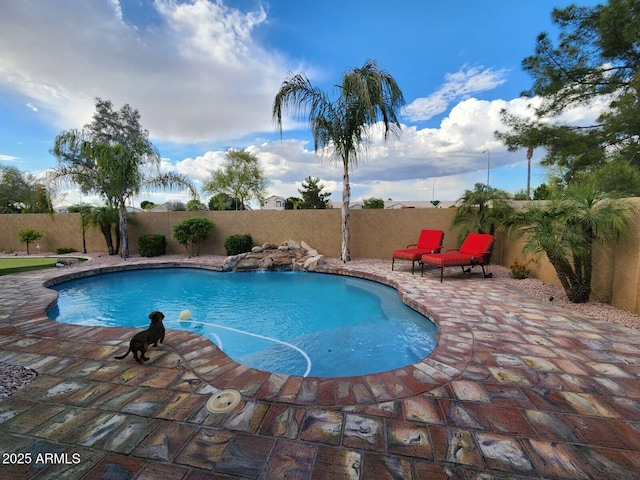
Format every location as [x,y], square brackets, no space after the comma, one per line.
[185,315]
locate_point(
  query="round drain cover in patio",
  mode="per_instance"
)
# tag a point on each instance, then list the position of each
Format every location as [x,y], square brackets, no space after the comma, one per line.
[223,401]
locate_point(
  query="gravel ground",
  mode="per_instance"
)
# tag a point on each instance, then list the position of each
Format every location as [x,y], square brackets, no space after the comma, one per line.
[14,377]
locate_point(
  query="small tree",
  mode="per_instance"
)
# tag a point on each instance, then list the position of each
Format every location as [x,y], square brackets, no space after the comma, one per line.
[195,205]
[312,195]
[222,201]
[29,235]
[147,205]
[480,210]
[191,232]
[373,203]
[106,219]
[240,178]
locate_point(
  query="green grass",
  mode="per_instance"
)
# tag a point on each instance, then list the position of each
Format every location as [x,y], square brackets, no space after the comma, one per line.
[16,265]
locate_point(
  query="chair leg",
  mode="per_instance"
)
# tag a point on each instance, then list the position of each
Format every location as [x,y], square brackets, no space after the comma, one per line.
[485,274]
[441,273]
[413,265]
[392,262]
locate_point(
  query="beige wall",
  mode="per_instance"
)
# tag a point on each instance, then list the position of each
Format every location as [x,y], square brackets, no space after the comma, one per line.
[374,234]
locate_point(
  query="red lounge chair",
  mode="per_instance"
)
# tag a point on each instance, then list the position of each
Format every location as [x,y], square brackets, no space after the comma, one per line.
[475,250]
[430,241]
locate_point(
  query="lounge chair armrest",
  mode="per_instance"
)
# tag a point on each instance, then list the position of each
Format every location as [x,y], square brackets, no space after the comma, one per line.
[412,245]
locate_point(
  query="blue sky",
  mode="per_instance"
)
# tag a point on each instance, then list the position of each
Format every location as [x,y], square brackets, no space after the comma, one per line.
[203,75]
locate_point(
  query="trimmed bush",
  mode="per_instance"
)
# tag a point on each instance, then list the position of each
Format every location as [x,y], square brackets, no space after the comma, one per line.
[152,245]
[236,244]
[191,232]
[62,251]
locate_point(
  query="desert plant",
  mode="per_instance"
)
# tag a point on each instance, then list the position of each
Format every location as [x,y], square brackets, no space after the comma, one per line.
[28,235]
[566,231]
[480,210]
[236,244]
[152,245]
[191,232]
[64,250]
[520,270]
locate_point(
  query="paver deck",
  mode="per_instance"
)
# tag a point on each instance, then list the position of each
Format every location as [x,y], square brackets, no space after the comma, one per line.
[516,388]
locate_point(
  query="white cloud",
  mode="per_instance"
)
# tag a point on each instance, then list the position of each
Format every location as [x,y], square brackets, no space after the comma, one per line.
[457,86]
[193,77]
[452,155]
[32,107]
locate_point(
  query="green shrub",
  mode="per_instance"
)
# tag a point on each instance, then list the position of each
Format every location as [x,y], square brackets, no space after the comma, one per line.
[62,251]
[191,232]
[152,245]
[236,244]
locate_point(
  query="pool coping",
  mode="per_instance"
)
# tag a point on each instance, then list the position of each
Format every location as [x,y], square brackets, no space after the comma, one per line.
[446,362]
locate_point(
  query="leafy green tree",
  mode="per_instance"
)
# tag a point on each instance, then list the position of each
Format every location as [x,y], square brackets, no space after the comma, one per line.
[22,192]
[194,205]
[222,201]
[566,231]
[240,178]
[294,203]
[595,61]
[147,205]
[542,192]
[373,203]
[520,195]
[366,96]
[113,157]
[192,232]
[29,235]
[312,195]
[481,210]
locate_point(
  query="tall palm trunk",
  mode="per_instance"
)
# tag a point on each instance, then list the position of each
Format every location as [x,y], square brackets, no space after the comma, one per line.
[124,237]
[345,255]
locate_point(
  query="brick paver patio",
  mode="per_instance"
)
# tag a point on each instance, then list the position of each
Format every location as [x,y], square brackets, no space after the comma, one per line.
[515,388]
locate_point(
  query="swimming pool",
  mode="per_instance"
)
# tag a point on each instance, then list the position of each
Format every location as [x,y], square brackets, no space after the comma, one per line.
[296,323]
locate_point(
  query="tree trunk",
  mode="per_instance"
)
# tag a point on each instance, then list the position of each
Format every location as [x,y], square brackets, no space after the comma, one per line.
[116,230]
[577,290]
[106,233]
[345,256]
[124,239]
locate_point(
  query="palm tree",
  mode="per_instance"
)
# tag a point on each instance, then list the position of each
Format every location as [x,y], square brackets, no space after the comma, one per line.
[105,219]
[367,96]
[480,210]
[114,158]
[566,231]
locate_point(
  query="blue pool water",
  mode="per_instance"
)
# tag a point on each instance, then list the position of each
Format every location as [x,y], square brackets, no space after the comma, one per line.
[295,323]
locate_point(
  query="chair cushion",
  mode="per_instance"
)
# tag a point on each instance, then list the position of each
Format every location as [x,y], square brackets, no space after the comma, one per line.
[453,259]
[477,243]
[430,239]
[413,254]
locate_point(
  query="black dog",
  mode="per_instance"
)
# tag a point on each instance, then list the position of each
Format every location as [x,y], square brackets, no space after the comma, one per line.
[141,340]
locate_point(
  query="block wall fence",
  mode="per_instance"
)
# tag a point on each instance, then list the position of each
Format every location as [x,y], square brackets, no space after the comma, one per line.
[374,234]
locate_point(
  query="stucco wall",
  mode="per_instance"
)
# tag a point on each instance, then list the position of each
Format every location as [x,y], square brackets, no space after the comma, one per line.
[374,234]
